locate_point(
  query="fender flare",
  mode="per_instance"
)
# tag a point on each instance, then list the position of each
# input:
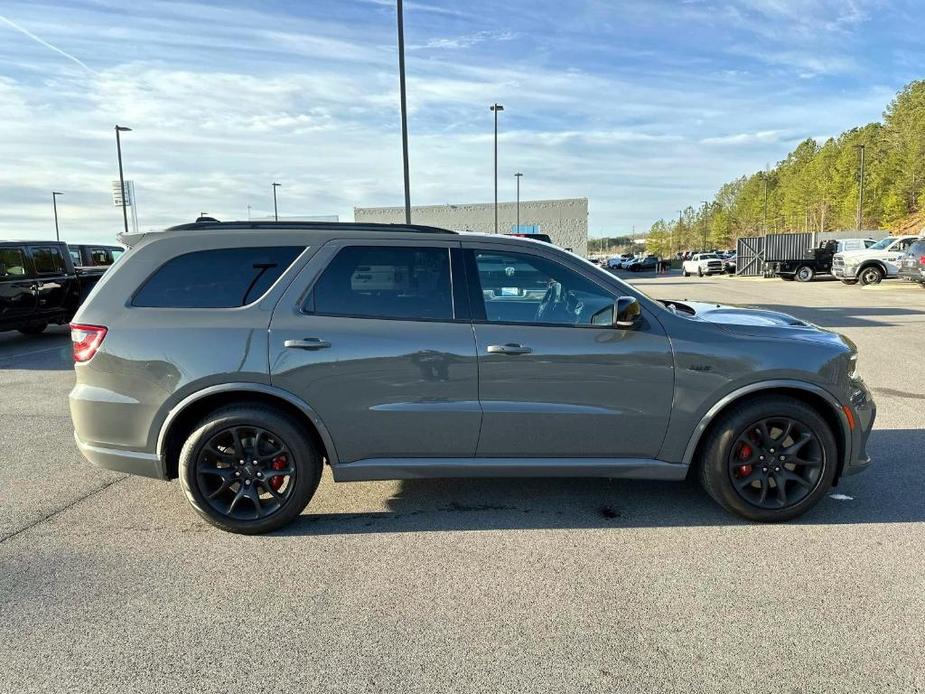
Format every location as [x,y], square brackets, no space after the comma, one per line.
[246,387]
[757,387]
[878,263]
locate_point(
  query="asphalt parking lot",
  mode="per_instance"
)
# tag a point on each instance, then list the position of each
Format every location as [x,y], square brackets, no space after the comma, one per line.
[112,584]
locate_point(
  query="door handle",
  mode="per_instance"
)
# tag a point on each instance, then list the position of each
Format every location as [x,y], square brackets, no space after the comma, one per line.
[307,343]
[509,348]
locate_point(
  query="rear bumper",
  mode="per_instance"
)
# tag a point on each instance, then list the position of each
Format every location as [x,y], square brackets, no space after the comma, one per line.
[130,462]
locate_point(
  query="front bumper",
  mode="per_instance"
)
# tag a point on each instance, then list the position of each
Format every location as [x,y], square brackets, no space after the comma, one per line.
[865,413]
[845,273]
[130,462]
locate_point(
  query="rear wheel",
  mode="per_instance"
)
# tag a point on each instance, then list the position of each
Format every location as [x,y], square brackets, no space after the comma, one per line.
[249,469]
[33,328]
[872,274]
[770,460]
[805,273]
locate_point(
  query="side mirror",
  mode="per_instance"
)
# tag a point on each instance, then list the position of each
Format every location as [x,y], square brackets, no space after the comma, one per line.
[626,312]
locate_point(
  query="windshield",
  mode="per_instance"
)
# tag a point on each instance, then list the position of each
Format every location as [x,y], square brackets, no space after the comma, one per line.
[882,243]
[708,256]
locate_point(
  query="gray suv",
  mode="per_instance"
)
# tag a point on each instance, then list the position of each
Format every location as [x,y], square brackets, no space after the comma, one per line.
[242,357]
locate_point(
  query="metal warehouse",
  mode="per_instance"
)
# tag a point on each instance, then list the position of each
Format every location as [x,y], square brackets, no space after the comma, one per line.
[565,220]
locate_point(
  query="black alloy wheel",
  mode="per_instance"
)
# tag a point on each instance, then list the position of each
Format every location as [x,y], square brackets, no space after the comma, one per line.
[769,459]
[249,468]
[246,473]
[776,462]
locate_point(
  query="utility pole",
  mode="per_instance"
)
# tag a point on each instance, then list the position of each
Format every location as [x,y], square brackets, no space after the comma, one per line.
[275,210]
[404,110]
[495,109]
[54,203]
[518,176]
[248,213]
[860,220]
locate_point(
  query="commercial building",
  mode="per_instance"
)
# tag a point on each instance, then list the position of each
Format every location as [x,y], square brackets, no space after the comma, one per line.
[565,221]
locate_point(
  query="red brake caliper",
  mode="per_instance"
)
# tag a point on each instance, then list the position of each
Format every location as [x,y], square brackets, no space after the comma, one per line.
[745,452]
[279,463]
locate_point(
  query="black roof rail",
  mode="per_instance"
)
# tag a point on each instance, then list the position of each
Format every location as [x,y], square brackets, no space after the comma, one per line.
[307,226]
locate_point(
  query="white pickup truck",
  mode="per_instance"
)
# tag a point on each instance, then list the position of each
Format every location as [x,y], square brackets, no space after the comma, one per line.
[871,265]
[702,264]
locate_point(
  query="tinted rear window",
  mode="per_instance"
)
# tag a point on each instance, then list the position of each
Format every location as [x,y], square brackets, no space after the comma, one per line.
[220,278]
[918,248]
[386,282]
[47,261]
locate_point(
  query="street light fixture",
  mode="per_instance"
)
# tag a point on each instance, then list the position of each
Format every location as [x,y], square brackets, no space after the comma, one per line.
[122,129]
[860,220]
[404,110]
[496,108]
[275,210]
[518,176]
[54,203]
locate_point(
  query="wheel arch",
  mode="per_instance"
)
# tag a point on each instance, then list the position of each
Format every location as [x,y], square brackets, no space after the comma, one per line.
[816,397]
[182,417]
[879,263]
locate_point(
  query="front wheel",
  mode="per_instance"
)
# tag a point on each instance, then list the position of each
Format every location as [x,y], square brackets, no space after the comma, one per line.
[871,275]
[699,272]
[770,460]
[249,469]
[685,273]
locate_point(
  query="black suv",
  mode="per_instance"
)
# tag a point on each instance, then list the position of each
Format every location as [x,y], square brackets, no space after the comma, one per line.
[39,285]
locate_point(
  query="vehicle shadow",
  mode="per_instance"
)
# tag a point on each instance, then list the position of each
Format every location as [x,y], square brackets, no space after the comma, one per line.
[50,351]
[888,492]
[848,316]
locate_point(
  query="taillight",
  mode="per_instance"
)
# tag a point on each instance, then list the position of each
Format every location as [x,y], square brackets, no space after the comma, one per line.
[922,260]
[87,339]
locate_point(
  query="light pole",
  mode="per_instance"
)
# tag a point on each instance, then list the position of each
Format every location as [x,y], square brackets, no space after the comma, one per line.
[680,212]
[248,213]
[518,176]
[860,221]
[275,210]
[404,110]
[703,235]
[54,204]
[122,129]
[765,177]
[495,109]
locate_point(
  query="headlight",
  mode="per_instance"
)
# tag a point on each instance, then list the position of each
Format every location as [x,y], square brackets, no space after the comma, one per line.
[853,366]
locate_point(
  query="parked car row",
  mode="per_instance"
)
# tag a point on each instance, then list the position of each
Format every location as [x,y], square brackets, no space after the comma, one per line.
[44,282]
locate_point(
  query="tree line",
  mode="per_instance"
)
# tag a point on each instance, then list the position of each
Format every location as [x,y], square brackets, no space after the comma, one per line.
[817,186]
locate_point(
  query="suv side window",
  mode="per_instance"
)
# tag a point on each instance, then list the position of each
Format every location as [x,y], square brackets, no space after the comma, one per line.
[521,288]
[219,278]
[399,282]
[904,245]
[12,264]
[47,260]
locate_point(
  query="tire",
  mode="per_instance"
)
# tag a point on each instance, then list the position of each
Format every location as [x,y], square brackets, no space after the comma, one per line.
[699,272]
[33,328]
[805,274]
[242,424]
[685,273]
[872,274]
[850,283]
[725,471]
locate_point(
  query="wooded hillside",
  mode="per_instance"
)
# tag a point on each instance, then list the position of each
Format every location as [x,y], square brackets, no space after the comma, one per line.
[816,188]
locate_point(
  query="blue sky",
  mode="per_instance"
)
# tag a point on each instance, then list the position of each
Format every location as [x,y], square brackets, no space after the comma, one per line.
[643,106]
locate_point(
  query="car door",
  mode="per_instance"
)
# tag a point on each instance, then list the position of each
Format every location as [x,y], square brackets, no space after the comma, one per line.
[895,252]
[17,285]
[552,383]
[51,278]
[372,336]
